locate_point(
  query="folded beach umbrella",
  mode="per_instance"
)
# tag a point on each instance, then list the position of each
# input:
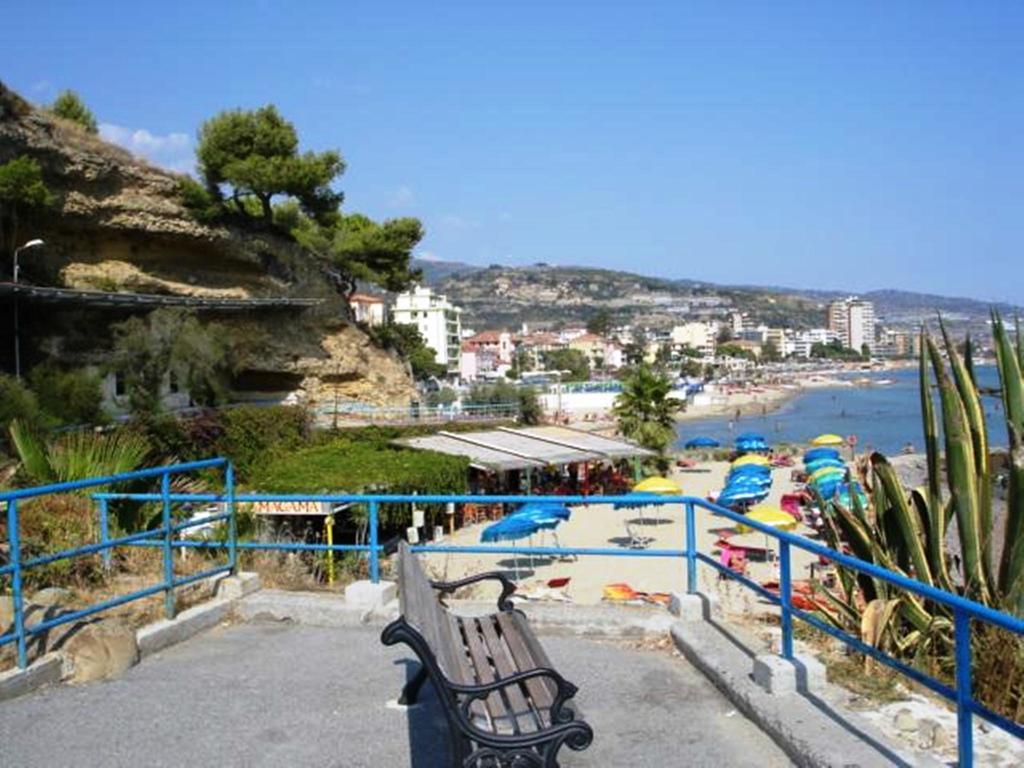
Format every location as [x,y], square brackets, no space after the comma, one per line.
[657,484]
[751,459]
[823,452]
[701,442]
[828,439]
[814,466]
[769,515]
[827,472]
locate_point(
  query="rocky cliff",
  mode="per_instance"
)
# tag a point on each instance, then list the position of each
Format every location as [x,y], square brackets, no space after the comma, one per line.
[117,225]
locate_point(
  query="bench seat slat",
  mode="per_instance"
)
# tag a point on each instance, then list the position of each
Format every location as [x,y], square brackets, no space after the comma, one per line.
[541,691]
[527,718]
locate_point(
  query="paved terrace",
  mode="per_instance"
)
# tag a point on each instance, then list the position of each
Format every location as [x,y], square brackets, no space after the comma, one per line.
[284,694]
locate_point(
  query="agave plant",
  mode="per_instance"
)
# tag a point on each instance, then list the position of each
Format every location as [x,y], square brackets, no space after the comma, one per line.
[906,530]
[76,455]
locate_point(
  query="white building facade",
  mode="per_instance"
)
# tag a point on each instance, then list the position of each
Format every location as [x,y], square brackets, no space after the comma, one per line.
[437,319]
[853,322]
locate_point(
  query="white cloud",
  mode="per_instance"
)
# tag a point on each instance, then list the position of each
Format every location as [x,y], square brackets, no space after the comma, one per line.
[427,256]
[403,197]
[170,150]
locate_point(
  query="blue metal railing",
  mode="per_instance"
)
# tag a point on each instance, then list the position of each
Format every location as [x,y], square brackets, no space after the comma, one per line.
[963,610]
[17,566]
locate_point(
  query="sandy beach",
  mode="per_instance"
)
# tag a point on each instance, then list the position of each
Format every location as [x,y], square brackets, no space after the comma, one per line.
[600,525]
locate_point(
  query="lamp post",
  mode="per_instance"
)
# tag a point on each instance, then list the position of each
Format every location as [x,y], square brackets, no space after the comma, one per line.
[17,341]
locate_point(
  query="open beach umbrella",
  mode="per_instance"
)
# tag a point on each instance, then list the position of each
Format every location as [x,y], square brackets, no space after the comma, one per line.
[828,439]
[823,452]
[762,470]
[731,496]
[544,509]
[751,459]
[660,485]
[769,515]
[750,437]
[749,481]
[511,528]
[701,442]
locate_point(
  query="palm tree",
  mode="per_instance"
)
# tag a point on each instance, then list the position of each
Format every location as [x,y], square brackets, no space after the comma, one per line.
[645,410]
[76,455]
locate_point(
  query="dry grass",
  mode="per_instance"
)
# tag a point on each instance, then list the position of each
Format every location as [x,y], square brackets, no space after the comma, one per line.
[998,670]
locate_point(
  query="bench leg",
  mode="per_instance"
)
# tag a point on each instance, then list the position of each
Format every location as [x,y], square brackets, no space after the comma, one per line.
[411,691]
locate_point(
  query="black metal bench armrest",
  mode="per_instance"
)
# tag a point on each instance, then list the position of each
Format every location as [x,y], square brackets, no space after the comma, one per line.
[565,690]
[507,586]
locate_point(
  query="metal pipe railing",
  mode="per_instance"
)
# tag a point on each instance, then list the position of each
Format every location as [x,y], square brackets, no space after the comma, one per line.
[963,610]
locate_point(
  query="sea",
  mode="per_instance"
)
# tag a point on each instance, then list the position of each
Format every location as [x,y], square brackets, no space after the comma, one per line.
[884,416]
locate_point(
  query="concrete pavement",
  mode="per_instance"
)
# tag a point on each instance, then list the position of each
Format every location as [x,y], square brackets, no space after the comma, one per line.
[280,694]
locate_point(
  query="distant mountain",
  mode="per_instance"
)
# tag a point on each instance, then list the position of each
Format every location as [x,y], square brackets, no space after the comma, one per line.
[542,294]
[435,271]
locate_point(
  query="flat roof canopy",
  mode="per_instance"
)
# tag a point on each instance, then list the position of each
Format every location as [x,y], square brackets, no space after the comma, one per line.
[508,448]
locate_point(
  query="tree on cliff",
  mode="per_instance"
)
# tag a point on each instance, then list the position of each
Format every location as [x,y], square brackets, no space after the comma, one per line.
[22,195]
[252,156]
[70,106]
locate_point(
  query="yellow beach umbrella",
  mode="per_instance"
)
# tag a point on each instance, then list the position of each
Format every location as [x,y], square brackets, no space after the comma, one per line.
[828,440]
[769,515]
[751,458]
[657,484]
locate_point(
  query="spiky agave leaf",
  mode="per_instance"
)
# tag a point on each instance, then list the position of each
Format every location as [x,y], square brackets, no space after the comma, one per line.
[906,518]
[931,433]
[935,522]
[961,477]
[1011,564]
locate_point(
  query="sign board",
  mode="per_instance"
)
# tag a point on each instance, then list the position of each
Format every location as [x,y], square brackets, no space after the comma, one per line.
[292,508]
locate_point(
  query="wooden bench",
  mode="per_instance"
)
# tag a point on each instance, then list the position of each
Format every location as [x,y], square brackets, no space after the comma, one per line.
[504,703]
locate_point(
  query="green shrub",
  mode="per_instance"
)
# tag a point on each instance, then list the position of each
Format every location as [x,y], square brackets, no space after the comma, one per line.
[343,465]
[54,523]
[69,105]
[203,206]
[16,402]
[68,396]
[253,436]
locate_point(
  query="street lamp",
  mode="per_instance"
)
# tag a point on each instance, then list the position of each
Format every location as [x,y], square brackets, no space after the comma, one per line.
[17,342]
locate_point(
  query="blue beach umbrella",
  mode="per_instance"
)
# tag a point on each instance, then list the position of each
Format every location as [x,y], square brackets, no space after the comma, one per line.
[511,528]
[702,442]
[542,509]
[817,464]
[731,496]
[751,437]
[750,469]
[821,453]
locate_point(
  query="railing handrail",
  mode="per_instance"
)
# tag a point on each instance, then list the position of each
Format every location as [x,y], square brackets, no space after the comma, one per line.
[963,609]
[1005,620]
[92,482]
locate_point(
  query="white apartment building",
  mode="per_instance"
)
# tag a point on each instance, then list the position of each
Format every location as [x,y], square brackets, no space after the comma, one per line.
[804,340]
[782,339]
[437,319]
[853,321]
[700,336]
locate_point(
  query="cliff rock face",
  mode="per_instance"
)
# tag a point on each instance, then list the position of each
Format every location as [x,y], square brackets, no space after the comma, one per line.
[117,225]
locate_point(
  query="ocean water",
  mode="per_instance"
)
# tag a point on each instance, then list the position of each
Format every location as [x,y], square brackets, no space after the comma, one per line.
[885,417]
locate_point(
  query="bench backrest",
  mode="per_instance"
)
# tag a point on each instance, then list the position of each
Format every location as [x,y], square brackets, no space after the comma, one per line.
[419,604]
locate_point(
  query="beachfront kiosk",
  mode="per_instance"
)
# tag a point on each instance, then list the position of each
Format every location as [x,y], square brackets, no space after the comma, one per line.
[529,459]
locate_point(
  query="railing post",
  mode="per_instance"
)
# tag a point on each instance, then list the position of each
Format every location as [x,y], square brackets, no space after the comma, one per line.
[786,599]
[964,699]
[229,482]
[374,554]
[105,532]
[165,492]
[691,549]
[14,539]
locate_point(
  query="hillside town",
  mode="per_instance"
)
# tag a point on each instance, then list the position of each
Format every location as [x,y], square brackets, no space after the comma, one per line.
[732,343]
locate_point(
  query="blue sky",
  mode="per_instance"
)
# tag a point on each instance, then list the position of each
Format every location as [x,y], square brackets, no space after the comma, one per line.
[813,144]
